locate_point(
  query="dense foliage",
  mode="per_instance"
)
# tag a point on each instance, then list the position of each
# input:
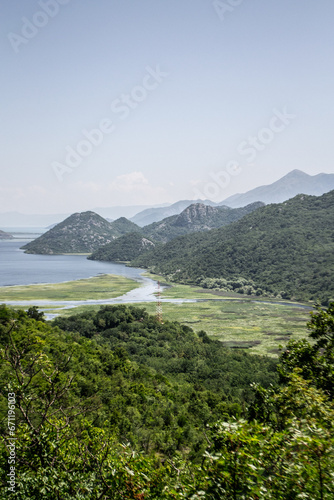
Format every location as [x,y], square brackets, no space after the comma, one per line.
[138,404]
[236,284]
[196,217]
[220,376]
[123,249]
[85,415]
[285,249]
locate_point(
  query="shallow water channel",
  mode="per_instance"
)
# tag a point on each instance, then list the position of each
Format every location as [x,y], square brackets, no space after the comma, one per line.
[18,268]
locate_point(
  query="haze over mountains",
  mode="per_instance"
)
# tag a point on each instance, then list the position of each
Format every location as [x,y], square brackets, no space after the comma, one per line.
[16,219]
[290,185]
[87,231]
[284,250]
[5,236]
[151,215]
[295,182]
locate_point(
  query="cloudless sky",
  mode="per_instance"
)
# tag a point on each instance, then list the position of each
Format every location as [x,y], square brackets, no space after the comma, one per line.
[227,69]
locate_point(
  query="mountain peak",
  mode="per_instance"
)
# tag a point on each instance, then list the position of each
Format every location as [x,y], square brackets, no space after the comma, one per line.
[293,183]
[196,217]
[296,173]
[122,220]
[81,232]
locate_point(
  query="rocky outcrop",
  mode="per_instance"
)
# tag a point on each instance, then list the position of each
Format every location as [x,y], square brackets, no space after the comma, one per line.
[196,217]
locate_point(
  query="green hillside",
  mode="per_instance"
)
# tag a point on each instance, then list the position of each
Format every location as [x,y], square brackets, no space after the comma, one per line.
[113,404]
[80,233]
[123,226]
[196,217]
[124,248]
[150,384]
[285,249]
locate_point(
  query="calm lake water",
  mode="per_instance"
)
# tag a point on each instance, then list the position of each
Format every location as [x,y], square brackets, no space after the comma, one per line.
[19,268]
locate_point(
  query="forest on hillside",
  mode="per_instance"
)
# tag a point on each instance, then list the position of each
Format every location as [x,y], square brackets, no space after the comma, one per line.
[115,405]
[282,250]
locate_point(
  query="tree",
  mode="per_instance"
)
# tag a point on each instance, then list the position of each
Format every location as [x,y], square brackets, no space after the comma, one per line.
[34,313]
[315,359]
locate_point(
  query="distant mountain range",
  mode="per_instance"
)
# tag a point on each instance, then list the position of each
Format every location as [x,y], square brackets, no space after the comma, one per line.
[87,231]
[151,215]
[16,219]
[285,249]
[296,182]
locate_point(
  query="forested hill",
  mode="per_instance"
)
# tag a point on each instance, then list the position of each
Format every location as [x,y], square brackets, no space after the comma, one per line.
[153,385]
[286,248]
[123,226]
[113,404]
[196,217]
[81,232]
[123,249]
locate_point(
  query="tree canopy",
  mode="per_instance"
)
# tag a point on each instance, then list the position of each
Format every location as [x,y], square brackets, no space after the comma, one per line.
[97,417]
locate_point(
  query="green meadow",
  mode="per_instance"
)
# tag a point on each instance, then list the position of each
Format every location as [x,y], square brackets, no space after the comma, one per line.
[240,322]
[260,326]
[106,286]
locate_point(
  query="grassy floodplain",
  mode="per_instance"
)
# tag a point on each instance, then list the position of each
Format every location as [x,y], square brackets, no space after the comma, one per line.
[259,325]
[105,286]
[241,322]
[259,328]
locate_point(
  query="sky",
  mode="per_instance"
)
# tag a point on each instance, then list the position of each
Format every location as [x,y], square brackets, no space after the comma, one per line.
[111,102]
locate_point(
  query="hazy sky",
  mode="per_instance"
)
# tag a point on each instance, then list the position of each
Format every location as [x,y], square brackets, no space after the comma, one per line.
[124,102]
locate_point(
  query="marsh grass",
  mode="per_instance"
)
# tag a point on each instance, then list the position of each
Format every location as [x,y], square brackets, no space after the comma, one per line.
[105,286]
[240,322]
[257,328]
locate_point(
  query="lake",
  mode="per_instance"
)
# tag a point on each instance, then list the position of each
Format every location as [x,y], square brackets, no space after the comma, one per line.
[19,268]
